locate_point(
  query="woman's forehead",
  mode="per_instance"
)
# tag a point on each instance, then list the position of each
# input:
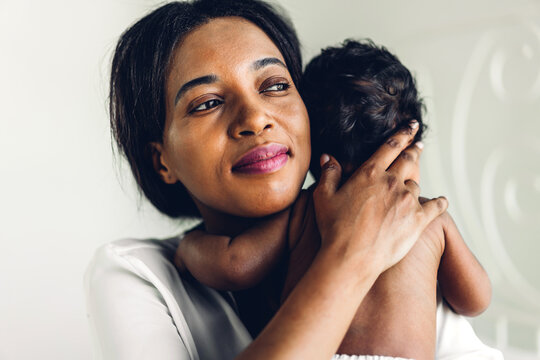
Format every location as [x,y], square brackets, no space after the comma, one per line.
[220,46]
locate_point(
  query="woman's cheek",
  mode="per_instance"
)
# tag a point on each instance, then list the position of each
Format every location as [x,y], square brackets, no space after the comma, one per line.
[195,159]
[301,126]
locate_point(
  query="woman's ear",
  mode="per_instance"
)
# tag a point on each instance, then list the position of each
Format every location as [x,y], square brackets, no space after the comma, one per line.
[159,161]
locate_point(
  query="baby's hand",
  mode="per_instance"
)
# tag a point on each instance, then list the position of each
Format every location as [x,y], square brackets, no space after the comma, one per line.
[178,261]
[182,250]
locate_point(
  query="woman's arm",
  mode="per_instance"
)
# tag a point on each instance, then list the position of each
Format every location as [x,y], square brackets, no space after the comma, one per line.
[134,313]
[234,263]
[366,226]
[463,281]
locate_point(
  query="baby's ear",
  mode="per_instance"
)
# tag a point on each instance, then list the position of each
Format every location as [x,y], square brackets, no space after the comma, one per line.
[159,160]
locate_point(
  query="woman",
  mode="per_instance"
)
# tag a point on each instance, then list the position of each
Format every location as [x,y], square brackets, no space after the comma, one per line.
[195,88]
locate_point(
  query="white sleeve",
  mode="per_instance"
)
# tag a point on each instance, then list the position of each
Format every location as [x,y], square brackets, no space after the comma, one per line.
[128,317]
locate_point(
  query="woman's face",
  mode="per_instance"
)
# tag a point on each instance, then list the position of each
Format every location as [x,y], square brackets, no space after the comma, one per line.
[237,131]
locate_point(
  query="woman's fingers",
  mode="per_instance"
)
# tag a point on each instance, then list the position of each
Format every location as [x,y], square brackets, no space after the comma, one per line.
[433,208]
[413,187]
[395,144]
[330,177]
[406,166]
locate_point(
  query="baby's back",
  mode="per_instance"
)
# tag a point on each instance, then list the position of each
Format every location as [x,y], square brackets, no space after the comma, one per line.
[397,316]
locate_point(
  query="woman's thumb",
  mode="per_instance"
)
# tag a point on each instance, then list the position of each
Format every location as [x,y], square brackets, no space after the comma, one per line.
[434,207]
[330,175]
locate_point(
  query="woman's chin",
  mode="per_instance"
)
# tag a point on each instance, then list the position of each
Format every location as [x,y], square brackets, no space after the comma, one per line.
[267,205]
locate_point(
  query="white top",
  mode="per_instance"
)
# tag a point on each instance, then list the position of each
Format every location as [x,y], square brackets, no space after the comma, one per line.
[139,307]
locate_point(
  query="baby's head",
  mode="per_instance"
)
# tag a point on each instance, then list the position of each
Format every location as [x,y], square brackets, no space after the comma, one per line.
[357,95]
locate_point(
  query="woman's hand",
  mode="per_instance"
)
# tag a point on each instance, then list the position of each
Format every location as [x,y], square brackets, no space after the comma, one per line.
[376,212]
[366,226]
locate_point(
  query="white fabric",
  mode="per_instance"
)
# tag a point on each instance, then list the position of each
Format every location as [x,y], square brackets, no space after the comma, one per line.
[366,357]
[456,338]
[139,308]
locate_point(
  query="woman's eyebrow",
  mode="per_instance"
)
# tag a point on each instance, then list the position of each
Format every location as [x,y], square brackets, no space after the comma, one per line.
[258,64]
[207,79]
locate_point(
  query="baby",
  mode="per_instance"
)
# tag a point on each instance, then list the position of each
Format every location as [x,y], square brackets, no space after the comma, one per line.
[357,95]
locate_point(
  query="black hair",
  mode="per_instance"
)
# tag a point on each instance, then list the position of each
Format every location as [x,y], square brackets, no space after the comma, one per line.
[137,86]
[357,95]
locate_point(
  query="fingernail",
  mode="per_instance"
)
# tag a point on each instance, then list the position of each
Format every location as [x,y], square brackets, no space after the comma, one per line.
[324,159]
[419,144]
[413,124]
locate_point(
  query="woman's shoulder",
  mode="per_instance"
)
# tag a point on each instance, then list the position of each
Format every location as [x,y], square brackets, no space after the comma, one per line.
[130,248]
[134,255]
[126,278]
[152,251]
[133,291]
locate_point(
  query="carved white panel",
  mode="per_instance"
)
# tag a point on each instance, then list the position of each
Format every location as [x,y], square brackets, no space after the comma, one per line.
[498,99]
[482,89]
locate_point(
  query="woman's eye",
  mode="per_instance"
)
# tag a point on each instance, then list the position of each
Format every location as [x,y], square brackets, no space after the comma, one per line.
[277,87]
[206,105]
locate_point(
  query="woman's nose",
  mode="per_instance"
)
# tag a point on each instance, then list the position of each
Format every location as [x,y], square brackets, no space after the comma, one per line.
[250,120]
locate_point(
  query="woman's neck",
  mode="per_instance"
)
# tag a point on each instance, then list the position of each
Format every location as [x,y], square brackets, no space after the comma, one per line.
[220,223]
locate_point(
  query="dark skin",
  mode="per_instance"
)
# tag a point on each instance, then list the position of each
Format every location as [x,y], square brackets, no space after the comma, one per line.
[402,300]
[214,124]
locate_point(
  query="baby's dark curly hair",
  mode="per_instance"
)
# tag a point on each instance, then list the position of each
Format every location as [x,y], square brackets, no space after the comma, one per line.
[357,95]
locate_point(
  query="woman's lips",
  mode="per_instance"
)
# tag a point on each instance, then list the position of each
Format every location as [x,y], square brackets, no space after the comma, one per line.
[263,159]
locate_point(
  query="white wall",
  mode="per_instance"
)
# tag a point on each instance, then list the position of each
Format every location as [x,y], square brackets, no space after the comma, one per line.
[59,195]
[477,64]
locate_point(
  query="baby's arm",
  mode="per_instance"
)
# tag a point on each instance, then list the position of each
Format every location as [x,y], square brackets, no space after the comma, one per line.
[234,263]
[463,281]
